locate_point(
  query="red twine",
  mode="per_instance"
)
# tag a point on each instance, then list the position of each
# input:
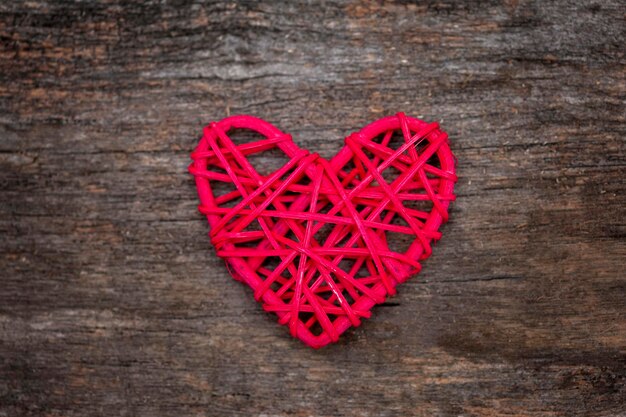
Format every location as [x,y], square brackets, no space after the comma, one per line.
[317,240]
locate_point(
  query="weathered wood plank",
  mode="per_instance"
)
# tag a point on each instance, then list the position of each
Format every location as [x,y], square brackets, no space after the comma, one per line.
[113,303]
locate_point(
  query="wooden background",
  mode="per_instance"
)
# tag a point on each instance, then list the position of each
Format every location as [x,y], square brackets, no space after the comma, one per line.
[112,302]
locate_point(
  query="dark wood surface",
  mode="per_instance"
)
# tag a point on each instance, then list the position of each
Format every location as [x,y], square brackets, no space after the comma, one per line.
[112,302]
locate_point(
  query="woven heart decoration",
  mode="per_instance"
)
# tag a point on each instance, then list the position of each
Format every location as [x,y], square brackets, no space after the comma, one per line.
[320,242]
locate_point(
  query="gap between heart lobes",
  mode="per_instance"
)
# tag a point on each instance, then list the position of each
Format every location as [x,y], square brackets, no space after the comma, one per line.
[321,242]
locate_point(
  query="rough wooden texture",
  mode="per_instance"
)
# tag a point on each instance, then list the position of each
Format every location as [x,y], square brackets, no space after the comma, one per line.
[112,302]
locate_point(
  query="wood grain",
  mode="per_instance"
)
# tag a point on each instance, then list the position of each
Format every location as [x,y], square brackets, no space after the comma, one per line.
[112,302]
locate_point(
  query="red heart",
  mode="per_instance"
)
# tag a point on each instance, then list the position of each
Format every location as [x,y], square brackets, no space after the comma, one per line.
[317,240]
